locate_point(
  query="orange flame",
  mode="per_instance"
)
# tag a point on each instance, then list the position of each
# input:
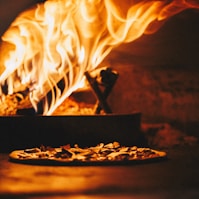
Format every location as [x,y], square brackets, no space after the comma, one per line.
[62,39]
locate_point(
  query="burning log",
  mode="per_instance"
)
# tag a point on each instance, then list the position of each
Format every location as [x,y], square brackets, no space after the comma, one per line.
[98,93]
[107,80]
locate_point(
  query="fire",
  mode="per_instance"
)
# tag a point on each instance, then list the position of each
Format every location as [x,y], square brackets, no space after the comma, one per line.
[60,40]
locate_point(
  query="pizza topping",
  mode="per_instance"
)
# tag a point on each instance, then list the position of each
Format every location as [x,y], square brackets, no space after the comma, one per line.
[64,153]
[66,146]
[33,150]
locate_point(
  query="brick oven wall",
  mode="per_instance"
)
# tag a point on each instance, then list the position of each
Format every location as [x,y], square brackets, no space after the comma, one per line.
[159,93]
[158,74]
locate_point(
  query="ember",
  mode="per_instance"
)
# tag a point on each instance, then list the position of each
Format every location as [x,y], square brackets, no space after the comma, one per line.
[61,40]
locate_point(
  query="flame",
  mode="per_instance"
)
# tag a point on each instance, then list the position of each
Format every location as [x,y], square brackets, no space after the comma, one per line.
[60,40]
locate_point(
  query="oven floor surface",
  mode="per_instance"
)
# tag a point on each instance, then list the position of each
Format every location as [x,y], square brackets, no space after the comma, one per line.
[176,177]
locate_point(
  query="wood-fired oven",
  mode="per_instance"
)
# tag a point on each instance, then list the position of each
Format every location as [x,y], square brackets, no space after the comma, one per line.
[86,72]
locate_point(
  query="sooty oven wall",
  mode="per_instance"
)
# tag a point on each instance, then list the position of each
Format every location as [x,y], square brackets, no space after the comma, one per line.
[159,73]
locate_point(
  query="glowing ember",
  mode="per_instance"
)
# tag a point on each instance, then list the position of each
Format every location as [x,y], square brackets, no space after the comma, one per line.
[62,39]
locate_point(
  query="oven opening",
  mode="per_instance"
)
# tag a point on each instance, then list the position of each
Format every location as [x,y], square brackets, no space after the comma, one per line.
[54,62]
[56,42]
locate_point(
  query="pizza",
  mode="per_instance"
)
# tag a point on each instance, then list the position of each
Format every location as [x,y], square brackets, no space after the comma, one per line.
[111,153]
